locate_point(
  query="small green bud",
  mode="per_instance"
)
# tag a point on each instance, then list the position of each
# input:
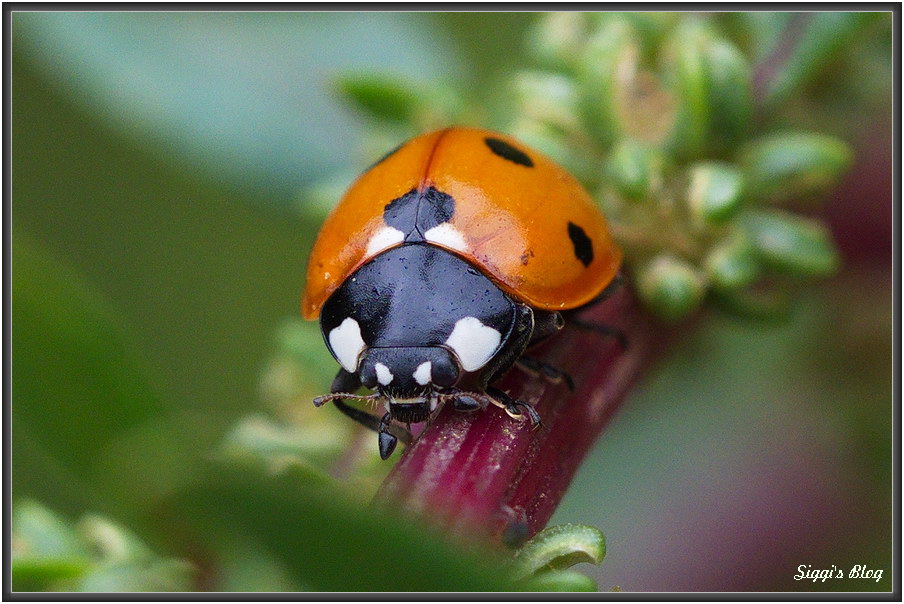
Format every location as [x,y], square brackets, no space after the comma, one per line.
[381,96]
[557,39]
[730,95]
[559,547]
[610,54]
[548,98]
[791,244]
[635,169]
[710,79]
[670,287]
[560,580]
[686,71]
[714,192]
[794,165]
[732,264]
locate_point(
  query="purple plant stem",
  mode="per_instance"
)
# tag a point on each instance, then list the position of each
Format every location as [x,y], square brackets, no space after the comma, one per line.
[484,472]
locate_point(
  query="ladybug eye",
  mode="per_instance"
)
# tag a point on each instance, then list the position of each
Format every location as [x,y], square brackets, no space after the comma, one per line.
[368,375]
[444,373]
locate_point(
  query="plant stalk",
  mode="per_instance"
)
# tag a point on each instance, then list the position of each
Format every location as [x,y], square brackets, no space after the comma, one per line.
[488,474]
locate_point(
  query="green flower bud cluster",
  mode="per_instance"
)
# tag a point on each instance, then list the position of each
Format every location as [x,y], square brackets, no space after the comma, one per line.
[655,114]
[94,555]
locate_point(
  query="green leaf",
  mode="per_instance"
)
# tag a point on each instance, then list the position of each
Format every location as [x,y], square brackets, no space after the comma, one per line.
[380,96]
[560,547]
[560,580]
[329,542]
[240,96]
[78,383]
[792,244]
[794,166]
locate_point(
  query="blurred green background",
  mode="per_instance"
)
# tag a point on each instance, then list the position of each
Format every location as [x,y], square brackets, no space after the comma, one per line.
[160,231]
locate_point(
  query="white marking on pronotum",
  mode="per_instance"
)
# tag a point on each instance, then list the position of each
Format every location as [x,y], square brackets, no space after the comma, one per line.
[384,238]
[347,343]
[384,375]
[448,236]
[473,342]
[422,374]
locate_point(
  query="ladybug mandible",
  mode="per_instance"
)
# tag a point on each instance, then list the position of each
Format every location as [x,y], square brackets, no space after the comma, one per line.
[441,265]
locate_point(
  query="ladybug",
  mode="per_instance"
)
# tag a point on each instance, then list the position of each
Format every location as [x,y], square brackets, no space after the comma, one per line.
[441,265]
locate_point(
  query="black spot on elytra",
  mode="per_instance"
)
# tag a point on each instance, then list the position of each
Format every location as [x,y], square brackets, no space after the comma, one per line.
[416,212]
[386,156]
[506,151]
[583,246]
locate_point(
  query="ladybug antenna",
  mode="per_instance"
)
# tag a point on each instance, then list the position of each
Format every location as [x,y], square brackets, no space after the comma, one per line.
[322,400]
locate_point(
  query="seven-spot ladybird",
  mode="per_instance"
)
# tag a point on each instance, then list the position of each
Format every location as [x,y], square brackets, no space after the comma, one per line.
[441,264]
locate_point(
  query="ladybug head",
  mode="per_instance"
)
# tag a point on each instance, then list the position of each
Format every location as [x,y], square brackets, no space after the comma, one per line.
[406,374]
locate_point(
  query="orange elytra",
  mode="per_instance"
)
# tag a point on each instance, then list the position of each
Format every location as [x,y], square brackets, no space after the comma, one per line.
[518,216]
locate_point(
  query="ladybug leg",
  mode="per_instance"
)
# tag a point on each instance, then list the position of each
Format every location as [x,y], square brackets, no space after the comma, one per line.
[546,324]
[607,331]
[347,382]
[514,407]
[604,330]
[385,439]
[465,402]
[545,370]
